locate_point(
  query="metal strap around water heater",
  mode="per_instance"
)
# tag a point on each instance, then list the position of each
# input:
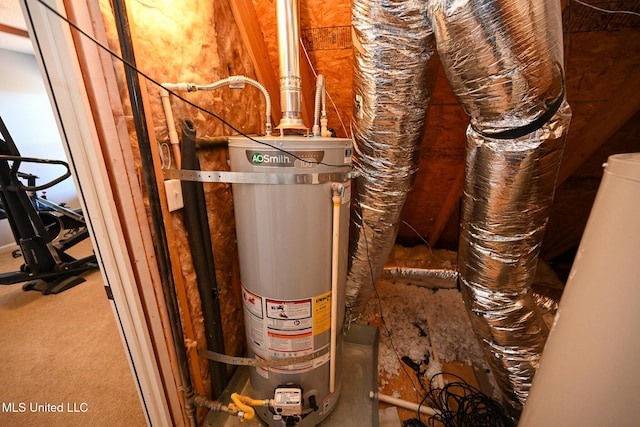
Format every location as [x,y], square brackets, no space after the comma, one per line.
[257,177]
[263,363]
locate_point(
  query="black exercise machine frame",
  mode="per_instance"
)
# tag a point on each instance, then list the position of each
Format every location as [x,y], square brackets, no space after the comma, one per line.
[48,268]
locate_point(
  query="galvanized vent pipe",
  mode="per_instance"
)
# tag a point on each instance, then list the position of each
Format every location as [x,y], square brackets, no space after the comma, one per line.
[289,60]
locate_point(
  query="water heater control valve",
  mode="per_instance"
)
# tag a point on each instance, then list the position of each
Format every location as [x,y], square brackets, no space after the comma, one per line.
[287,400]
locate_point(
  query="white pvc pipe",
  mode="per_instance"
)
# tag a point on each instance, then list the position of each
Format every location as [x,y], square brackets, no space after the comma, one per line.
[323,117]
[426,410]
[171,126]
[335,259]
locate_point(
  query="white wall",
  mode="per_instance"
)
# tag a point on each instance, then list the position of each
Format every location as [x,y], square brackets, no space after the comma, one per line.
[28,115]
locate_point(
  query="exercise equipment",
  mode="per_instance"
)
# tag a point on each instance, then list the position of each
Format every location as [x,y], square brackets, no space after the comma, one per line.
[47,268]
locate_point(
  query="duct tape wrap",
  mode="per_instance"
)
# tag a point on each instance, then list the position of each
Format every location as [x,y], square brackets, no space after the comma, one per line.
[547,299]
[503,59]
[393,75]
[508,192]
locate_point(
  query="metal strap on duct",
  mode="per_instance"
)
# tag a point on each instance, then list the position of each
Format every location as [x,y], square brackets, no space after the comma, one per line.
[393,75]
[257,177]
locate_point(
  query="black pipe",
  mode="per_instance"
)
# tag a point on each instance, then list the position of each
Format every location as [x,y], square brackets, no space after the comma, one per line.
[211,142]
[199,236]
[151,186]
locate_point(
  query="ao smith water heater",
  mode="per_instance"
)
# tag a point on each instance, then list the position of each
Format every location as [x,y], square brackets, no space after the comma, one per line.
[292,225]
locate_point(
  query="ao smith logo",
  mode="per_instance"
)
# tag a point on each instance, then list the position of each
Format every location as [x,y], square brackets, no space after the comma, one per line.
[301,159]
[271,159]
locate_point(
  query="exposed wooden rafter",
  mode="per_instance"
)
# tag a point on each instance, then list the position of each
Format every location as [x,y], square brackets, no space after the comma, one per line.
[453,197]
[247,20]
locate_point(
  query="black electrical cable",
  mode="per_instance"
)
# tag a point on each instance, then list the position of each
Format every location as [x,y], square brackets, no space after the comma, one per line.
[131,65]
[458,404]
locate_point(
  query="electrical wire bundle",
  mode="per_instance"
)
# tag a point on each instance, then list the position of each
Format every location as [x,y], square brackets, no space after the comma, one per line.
[458,404]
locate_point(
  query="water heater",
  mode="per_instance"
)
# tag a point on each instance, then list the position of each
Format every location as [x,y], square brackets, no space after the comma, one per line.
[589,371]
[293,243]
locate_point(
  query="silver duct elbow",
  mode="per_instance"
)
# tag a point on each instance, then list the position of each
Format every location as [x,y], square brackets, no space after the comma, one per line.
[503,60]
[393,74]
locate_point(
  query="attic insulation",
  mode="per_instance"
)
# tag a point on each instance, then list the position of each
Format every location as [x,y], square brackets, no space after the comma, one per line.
[416,328]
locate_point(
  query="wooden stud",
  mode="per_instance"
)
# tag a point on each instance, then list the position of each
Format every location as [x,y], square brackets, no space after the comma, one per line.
[174,256]
[13,30]
[127,194]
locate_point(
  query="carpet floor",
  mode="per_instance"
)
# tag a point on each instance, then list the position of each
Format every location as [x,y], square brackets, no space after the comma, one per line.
[62,361]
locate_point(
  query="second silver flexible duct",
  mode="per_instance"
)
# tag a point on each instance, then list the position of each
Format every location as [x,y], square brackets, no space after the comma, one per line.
[393,72]
[503,60]
[508,191]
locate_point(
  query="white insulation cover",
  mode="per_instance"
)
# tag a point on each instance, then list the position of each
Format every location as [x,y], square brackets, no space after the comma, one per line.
[590,371]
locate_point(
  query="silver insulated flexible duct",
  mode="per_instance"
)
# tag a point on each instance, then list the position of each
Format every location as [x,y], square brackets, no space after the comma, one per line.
[503,60]
[393,74]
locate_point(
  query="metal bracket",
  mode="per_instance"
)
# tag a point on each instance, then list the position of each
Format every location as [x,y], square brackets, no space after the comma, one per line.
[258,178]
[263,363]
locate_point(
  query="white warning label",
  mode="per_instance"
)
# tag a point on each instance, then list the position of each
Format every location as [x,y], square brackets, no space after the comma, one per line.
[300,309]
[279,329]
[293,344]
